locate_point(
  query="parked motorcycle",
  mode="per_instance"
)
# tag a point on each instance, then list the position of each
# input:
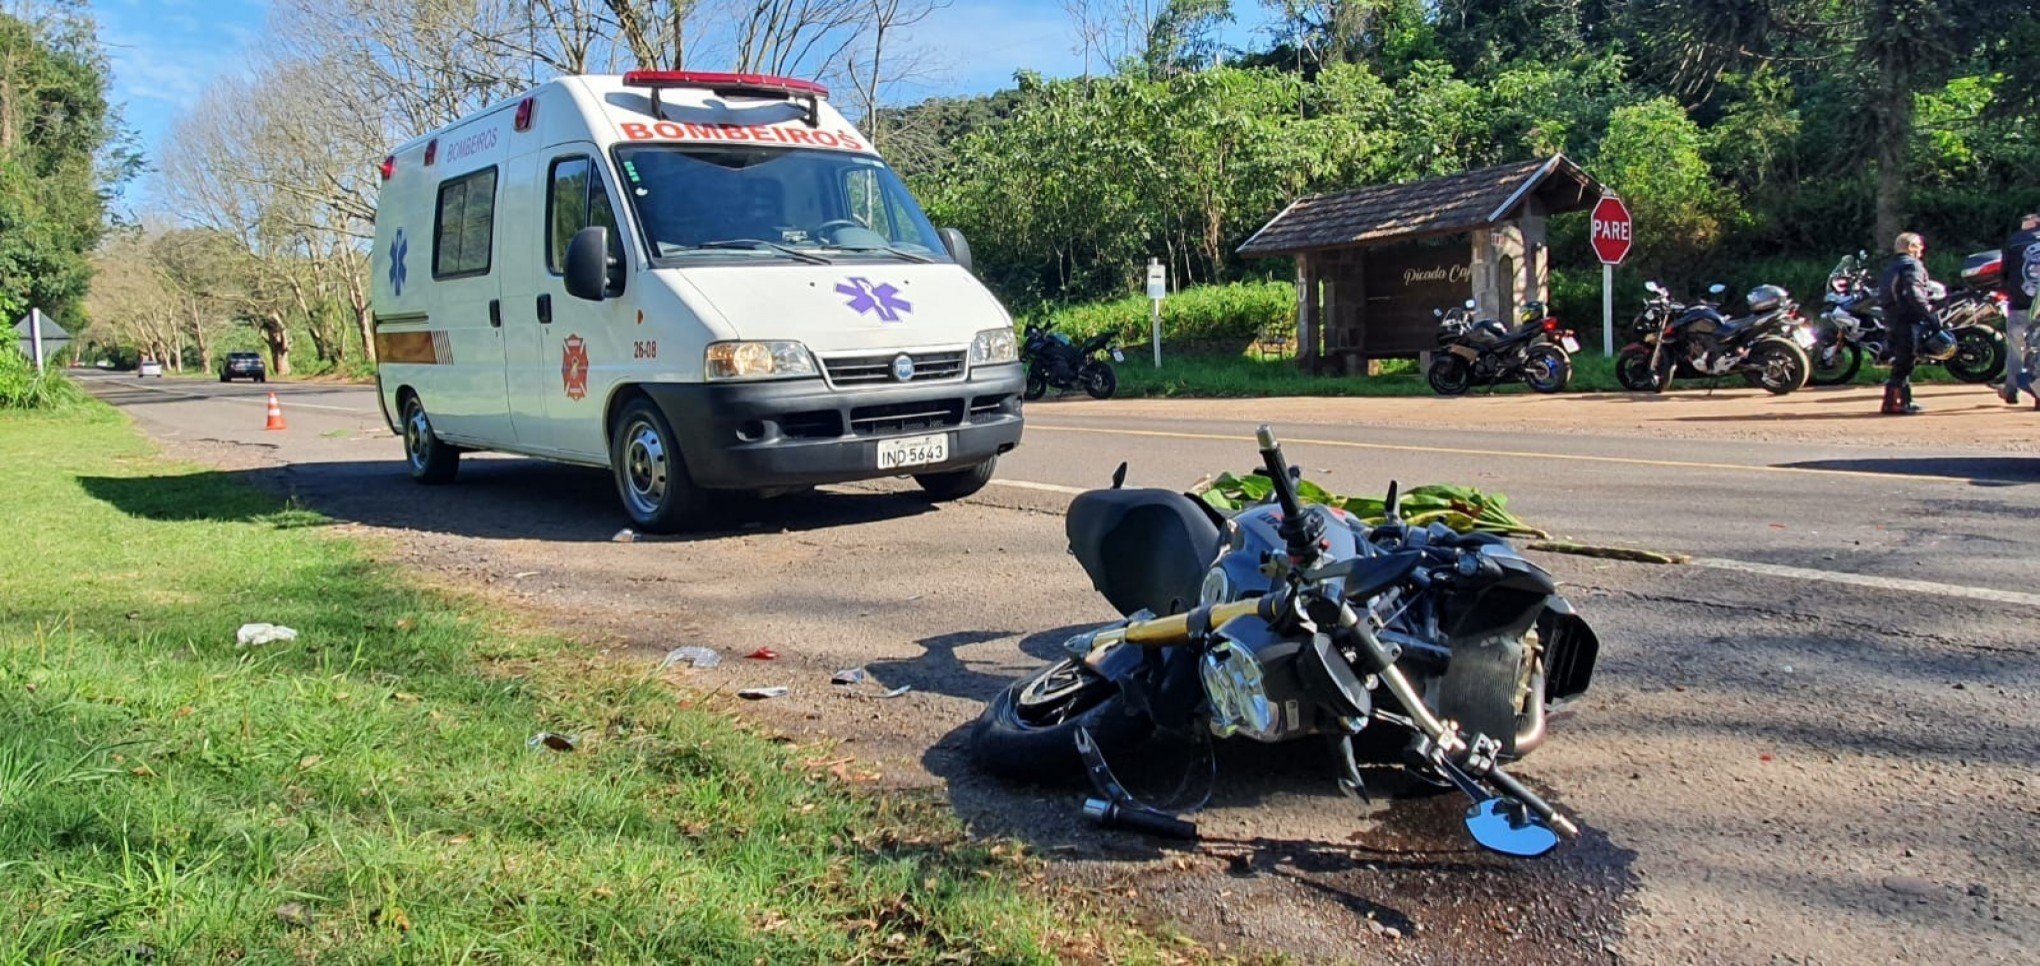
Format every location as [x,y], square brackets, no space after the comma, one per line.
[1290,620]
[1966,337]
[1767,347]
[1053,361]
[1539,351]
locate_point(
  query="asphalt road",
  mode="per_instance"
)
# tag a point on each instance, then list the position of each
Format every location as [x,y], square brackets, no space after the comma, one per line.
[1816,743]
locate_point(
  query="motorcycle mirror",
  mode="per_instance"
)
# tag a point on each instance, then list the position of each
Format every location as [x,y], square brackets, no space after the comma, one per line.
[1469,303]
[1716,289]
[1653,287]
[1393,511]
[1437,313]
[1504,826]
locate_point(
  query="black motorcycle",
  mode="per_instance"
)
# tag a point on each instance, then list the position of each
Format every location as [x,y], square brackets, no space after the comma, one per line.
[1053,361]
[1965,337]
[1538,352]
[1767,346]
[1440,650]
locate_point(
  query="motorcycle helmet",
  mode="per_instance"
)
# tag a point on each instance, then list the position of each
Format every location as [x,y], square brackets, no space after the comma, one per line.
[1937,345]
[1764,298]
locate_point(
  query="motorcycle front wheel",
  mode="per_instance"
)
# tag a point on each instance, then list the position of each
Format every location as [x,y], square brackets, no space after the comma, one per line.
[1099,380]
[1450,375]
[1835,364]
[1633,371]
[1028,732]
[1979,354]
[1547,369]
[1037,385]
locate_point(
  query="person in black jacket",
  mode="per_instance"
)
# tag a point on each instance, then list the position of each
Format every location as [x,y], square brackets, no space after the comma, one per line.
[1903,291]
[2021,285]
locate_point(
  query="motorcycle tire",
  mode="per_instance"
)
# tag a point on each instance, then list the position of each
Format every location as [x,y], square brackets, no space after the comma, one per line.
[1450,375]
[1100,380]
[1835,365]
[1547,369]
[1778,367]
[1979,354]
[1037,385]
[1633,371]
[1028,733]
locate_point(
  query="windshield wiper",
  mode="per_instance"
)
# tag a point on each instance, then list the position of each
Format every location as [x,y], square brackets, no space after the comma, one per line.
[890,250]
[759,244]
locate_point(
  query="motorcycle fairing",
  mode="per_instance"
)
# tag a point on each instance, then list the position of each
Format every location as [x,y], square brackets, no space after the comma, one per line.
[1144,549]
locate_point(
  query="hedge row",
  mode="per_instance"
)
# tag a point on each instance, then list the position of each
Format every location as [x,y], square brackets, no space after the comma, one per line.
[1209,318]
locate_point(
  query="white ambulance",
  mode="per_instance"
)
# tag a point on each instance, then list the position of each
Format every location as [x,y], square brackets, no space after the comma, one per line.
[705,282]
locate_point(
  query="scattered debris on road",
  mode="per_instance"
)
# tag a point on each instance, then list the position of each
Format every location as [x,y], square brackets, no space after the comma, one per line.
[853,675]
[1629,554]
[625,535]
[763,654]
[696,657]
[763,694]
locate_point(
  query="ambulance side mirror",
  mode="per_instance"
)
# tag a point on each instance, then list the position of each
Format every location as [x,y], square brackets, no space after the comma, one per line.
[958,248]
[587,267]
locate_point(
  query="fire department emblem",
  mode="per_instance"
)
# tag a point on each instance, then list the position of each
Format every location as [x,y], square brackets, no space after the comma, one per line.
[574,366]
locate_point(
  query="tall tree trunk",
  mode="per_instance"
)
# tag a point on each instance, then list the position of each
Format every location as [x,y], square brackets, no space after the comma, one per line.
[364,317]
[278,337]
[1893,111]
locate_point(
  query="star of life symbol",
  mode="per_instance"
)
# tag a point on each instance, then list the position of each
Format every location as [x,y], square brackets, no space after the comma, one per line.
[399,248]
[883,298]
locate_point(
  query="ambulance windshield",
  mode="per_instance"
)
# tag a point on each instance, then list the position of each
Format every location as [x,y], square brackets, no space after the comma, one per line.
[760,202]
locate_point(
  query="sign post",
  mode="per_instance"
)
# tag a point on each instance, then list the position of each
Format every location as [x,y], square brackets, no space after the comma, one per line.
[1157,290]
[35,338]
[1613,230]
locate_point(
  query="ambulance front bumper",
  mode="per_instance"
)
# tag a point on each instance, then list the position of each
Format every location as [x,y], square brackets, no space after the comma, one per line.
[802,432]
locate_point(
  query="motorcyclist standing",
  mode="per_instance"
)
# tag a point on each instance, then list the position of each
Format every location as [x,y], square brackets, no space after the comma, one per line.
[2021,260]
[1903,290]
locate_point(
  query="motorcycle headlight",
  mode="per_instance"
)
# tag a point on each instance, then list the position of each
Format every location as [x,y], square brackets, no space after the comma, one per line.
[758,360]
[993,347]
[1239,701]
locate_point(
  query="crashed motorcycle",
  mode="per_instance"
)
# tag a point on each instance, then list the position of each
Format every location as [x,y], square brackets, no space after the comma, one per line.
[1966,335]
[1767,347]
[1538,352]
[1287,621]
[1054,362]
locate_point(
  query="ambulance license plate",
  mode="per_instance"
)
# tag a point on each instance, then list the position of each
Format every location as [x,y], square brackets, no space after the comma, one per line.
[1571,344]
[913,451]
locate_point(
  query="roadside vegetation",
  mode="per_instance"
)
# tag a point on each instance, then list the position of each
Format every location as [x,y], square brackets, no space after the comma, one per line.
[368,791]
[21,387]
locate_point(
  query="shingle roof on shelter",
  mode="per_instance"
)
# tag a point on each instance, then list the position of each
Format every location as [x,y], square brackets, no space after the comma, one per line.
[1433,206]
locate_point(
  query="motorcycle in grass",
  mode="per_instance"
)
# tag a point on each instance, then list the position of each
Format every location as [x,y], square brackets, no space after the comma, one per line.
[1053,361]
[1288,620]
[1767,347]
[1539,351]
[1966,336]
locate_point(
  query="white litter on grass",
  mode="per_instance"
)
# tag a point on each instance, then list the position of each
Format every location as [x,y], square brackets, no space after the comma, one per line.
[896,692]
[699,657]
[763,694]
[256,635]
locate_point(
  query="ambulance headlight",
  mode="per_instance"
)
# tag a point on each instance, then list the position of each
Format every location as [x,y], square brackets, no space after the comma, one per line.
[758,360]
[994,346]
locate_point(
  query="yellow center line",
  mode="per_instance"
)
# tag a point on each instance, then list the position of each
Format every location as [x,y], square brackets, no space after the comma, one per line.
[1034,426]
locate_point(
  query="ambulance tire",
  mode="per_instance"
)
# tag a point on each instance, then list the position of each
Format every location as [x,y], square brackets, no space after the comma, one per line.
[943,487]
[651,477]
[432,460]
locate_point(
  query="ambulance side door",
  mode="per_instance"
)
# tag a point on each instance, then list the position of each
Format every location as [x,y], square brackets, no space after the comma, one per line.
[467,401]
[581,347]
[531,353]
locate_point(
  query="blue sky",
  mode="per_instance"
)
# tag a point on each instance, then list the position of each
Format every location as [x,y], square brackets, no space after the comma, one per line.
[165,52]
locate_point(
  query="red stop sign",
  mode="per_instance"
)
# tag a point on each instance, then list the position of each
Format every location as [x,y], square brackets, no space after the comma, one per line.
[1612,230]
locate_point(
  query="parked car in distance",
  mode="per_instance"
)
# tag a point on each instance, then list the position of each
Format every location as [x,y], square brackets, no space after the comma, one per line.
[243,365]
[149,367]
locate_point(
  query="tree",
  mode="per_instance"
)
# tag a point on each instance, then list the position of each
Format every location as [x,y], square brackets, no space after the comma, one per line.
[1653,157]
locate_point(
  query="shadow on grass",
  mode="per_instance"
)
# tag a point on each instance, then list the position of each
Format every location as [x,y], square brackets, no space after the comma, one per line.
[495,499]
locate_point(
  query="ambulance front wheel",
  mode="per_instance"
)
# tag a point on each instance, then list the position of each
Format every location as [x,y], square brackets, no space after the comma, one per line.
[956,485]
[651,477]
[431,460]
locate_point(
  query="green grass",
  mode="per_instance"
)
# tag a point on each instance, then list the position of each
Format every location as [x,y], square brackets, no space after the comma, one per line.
[1244,375]
[366,792]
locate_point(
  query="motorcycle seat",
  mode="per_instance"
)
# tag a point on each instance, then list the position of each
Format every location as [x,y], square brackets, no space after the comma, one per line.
[1144,549]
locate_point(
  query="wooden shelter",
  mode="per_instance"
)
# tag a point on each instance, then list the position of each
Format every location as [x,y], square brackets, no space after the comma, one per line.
[1372,263]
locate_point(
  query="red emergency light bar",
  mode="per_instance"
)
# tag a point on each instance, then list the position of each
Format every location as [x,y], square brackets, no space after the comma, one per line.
[754,85]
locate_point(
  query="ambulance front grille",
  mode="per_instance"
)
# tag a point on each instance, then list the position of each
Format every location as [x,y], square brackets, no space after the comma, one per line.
[878,369]
[906,417]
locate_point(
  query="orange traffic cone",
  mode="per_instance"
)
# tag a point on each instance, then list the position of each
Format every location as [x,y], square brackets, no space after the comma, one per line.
[275,414]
